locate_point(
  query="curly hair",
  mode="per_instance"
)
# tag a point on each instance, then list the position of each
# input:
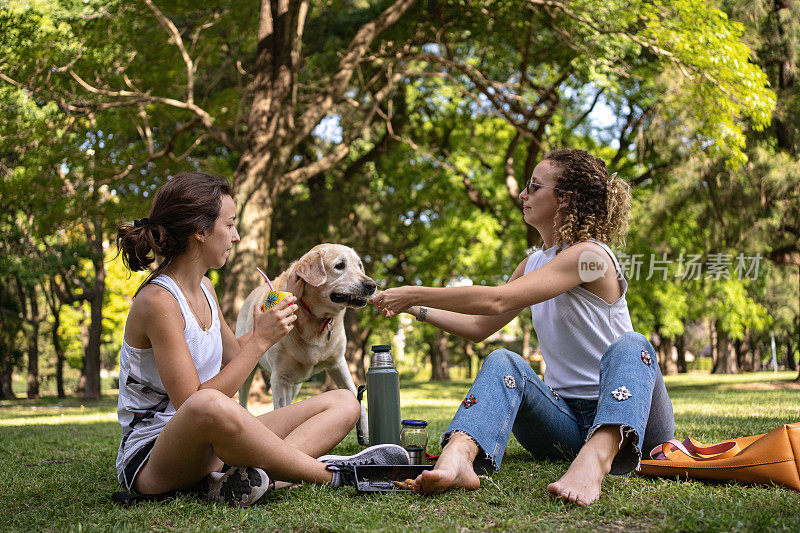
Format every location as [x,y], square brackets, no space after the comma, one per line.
[591,205]
[188,203]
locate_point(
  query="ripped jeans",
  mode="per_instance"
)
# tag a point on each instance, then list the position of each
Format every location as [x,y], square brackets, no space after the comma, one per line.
[507,396]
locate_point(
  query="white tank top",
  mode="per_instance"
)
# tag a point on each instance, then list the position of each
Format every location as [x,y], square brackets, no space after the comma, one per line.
[143,406]
[574,329]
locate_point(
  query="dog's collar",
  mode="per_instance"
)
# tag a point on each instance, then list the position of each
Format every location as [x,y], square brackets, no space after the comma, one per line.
[327,322]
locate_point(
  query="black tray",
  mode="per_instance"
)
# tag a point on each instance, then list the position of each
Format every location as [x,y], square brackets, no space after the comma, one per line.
[378,478]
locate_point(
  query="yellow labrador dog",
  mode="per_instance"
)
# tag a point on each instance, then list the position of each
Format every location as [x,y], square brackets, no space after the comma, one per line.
[326,280]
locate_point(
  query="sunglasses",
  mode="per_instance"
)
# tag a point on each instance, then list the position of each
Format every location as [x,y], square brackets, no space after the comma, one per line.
[531,186]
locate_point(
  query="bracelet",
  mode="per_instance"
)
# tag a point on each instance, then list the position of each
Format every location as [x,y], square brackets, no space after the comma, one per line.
[423,312]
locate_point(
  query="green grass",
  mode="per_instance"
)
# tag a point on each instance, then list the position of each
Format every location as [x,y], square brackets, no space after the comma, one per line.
[58,473]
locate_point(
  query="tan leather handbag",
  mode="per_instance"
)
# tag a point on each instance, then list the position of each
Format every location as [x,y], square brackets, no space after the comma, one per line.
[771,458]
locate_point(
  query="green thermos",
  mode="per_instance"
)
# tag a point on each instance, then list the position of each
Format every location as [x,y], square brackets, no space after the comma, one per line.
[383,399]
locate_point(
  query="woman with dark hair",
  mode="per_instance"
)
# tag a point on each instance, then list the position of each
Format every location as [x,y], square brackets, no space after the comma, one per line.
[603,397]
[180,363]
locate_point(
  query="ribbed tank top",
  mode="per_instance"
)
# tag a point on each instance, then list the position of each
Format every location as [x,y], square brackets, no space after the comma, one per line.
[574,329]
[143,406]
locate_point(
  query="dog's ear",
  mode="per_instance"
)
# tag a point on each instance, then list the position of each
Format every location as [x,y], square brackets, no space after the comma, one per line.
[295,285]
[311,269]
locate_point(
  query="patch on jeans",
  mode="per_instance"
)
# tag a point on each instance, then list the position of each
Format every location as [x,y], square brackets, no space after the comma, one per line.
[622,393]
[646,358]
[469,401]
[555,394]
[510,383]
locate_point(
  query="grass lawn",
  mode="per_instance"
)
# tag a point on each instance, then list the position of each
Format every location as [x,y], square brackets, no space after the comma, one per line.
[58,473]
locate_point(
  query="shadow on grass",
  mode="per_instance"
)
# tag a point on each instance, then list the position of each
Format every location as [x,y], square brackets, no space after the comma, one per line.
[55,401]
[28,410]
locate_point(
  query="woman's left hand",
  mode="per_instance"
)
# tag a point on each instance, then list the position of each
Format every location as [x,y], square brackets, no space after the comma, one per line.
[394,301]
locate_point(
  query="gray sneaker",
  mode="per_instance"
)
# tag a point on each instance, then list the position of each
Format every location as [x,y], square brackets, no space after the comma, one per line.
[380,454]
[239,485]
[343,466]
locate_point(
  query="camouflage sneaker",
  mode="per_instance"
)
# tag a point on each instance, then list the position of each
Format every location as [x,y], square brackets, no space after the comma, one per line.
[239,485]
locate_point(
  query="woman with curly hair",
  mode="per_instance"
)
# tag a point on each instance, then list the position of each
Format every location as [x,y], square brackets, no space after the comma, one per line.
[603,398]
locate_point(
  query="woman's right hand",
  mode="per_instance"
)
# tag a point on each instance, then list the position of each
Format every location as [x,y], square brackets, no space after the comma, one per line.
[394,301]
[272,325]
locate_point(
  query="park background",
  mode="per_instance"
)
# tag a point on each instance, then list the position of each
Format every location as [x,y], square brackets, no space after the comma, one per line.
[406,130]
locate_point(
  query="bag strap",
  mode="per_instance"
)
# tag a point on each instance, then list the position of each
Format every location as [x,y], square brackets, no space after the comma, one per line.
[695,450]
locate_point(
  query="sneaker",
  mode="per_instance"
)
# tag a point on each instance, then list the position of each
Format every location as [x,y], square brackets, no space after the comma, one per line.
[238,485]
[380,454]
[342,475]
[343,466]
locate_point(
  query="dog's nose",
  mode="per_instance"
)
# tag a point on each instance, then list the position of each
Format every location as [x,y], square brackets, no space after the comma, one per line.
[369,286]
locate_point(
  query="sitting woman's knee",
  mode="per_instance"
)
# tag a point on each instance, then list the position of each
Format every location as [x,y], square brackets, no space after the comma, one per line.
[344,402]
[213,408]
[502,358]
[631,342]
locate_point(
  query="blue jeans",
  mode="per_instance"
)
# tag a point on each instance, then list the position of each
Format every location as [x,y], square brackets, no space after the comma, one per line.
[507,396]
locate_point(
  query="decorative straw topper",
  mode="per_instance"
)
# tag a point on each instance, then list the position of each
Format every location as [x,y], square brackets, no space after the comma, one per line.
[273,296]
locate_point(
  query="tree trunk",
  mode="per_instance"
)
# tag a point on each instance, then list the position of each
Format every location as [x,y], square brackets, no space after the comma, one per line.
[666,357]
[59,356]
[726,355]
[712,343]
[526,340]
[680,347]
[355,345]
[277,126]
[81,386]
[91,361]
[755,354]
[255,227]
[7,358]
[469,351]
[790,363]
[6,391]
[784,132]
[54,305]
[440,357]
[33,346]
[328,384]
[739,346]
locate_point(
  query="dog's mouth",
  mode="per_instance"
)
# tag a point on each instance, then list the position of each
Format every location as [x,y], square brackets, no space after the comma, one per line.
[350,300]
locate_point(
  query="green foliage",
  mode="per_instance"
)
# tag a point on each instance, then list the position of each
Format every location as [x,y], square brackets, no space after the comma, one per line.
[720,82]
[685,89]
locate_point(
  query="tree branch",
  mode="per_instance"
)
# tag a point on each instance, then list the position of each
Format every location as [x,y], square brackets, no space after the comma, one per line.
[511,181]
[175,36]
[588,112]
[138,97]
[355,52]
[301,174]
[167,150]
[474,195]
[600,27]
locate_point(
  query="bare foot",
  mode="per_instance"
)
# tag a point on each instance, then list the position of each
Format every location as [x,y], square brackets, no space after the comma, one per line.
[582,482]
[453,470]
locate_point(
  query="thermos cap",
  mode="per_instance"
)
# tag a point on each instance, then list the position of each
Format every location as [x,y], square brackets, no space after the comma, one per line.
[381,348]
